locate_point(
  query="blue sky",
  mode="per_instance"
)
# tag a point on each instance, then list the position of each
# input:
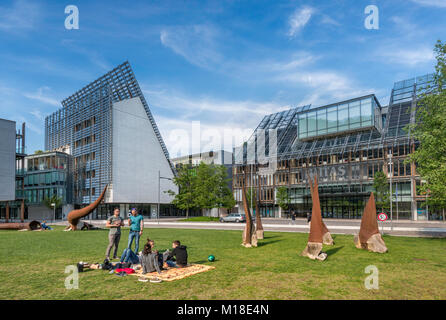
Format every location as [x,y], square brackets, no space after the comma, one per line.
[223,63]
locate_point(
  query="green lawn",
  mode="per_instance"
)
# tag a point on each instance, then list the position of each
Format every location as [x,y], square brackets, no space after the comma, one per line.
[32,266]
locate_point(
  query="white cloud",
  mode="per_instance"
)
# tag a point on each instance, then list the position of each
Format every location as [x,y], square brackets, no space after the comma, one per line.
[328,20]
[22,15]
[299,19]
[197,44]
[431,3]
[408,57]
[42,97]
[217,117]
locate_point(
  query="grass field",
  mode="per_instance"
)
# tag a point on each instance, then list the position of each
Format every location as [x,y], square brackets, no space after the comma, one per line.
[33,263]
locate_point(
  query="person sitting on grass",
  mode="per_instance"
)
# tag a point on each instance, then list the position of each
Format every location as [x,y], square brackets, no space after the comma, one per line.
[149,258]
[179,252]
[44,226]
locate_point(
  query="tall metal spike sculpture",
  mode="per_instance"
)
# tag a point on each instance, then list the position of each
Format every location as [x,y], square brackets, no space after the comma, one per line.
[259,226]
[326,236]
[369,237]
[249,236]
[75,215]
[313,250]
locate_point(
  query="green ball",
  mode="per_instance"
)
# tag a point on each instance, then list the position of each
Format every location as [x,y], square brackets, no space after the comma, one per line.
[211,258]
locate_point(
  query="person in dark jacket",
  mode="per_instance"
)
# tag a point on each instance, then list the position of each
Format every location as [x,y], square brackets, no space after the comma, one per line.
[180,253]
[149,258]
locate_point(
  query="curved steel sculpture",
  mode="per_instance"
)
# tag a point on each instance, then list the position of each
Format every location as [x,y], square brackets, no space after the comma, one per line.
[75,215]
[33,225]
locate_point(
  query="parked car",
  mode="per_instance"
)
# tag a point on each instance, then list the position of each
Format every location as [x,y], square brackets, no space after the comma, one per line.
[234,217]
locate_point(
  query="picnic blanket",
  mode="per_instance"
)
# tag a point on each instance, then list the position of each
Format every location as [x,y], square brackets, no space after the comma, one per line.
[172,274]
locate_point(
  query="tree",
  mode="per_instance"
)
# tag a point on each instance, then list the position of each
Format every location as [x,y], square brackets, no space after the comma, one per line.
[430,130]
[224,196]
[206,186]
[282,197]
[48,202]
[38,152]
[186,181]
[381,188]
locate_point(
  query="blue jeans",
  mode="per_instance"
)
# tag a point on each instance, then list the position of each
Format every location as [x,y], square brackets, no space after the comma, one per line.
[171,264]
[134,235]
[129,256]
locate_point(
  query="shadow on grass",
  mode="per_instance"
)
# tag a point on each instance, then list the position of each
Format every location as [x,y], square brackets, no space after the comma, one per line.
[270,237]
[264,243]
[203,261]
[333,250]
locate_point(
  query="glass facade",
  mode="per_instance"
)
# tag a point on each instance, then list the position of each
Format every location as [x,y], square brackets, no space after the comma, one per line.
[46,175]
[331,119]
[344,144]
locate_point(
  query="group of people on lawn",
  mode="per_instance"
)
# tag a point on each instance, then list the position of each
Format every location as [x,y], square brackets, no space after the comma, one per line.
[149,258]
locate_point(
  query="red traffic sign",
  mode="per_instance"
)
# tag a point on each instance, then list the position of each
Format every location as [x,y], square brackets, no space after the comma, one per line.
[382,216]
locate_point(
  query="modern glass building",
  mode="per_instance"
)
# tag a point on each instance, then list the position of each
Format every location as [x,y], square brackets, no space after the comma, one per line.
[108,128]
[48,174]
[344,144]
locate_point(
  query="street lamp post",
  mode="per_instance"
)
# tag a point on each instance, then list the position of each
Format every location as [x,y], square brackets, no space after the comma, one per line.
[391,195]
[159,194]
[54,211]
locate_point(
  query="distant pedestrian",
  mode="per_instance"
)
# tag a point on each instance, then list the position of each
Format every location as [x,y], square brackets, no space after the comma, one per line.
[293,217]
[114,235]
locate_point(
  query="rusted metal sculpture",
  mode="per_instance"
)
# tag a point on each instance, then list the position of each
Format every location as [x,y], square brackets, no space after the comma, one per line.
[249,236]
[259,226]
[313,250]
[33,225]
[326,236]
[75,215]
[369,237]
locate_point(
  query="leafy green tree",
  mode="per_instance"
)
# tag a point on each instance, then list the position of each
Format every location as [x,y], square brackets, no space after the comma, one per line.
[206,186]
[430,130]
[38,152]
[186,181]
[282,197]
[381,187]
[225,198]
[48,201]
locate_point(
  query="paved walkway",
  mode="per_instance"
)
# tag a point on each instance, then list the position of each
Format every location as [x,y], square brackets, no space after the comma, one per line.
[336,226]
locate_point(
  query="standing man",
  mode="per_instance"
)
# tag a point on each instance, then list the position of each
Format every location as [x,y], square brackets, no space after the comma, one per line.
[136,223]
[114,223]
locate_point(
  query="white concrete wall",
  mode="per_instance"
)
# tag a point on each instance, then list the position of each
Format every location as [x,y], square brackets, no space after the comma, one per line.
[137,157]
[7,160]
